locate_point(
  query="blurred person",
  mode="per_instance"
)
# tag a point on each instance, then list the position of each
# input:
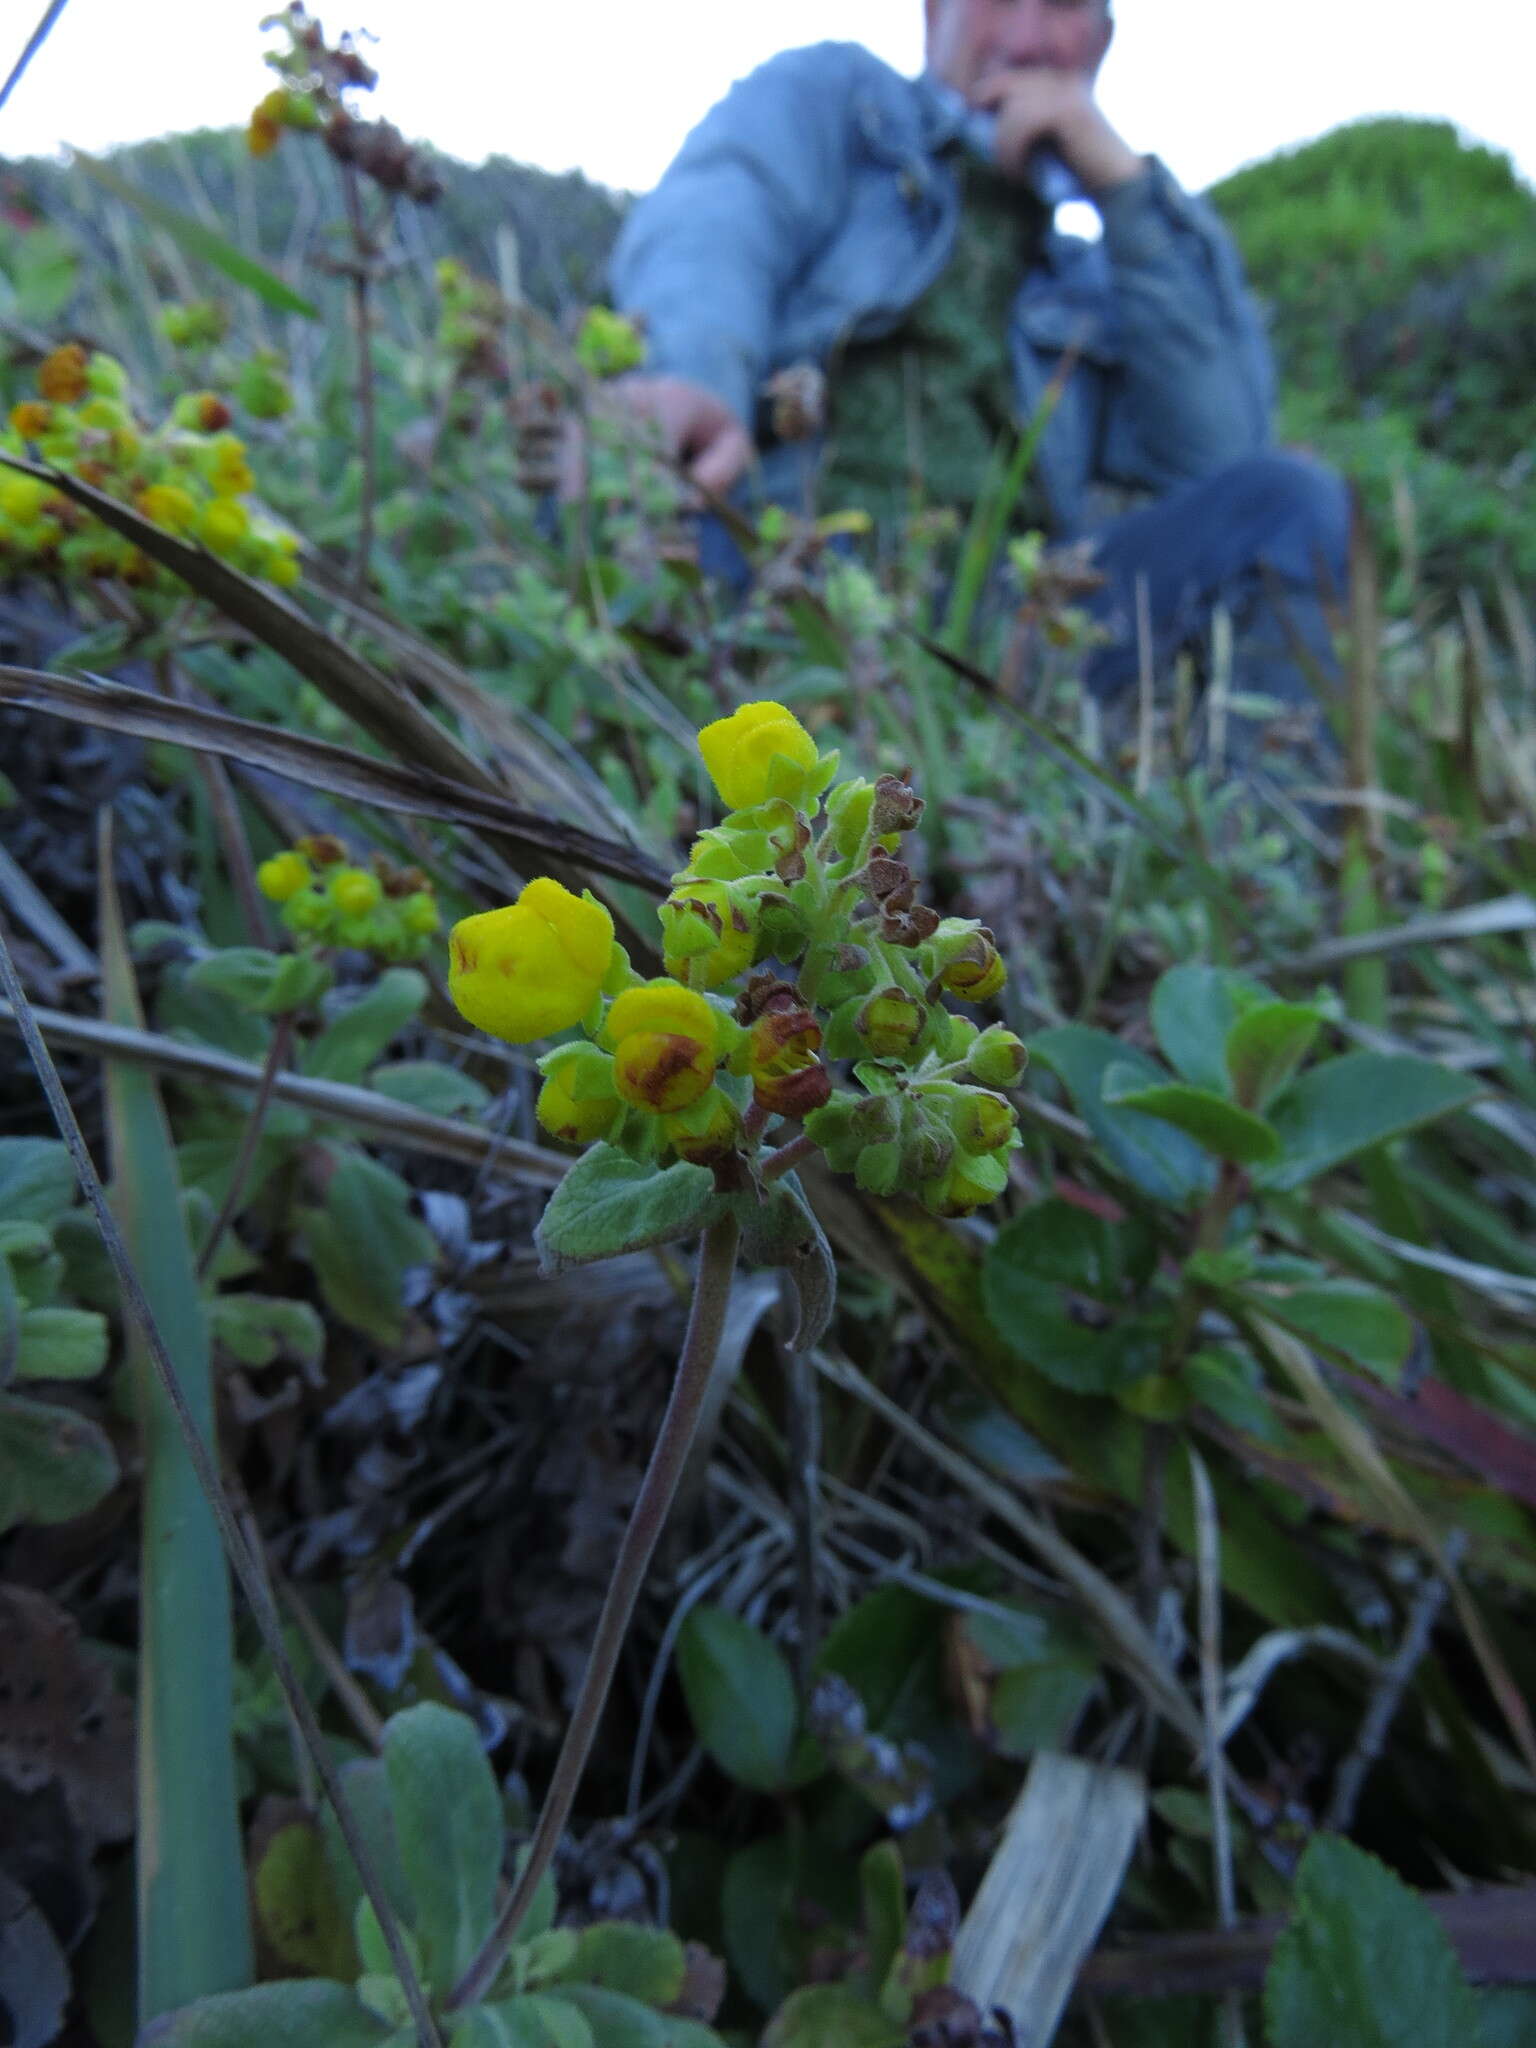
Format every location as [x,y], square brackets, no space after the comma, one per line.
[899,235]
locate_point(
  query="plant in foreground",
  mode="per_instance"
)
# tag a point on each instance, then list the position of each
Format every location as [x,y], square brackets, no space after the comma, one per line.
[793,939]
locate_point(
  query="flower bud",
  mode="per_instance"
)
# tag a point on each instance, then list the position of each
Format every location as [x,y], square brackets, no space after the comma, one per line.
[890,1023]
[897,806]
[707,927]
[201,412]
[998,1058]
[664,1044]
[849,808]
[708,1132]
[982,1122]
[168,505]
[533,967]
[879,1168]
[32,419]
[62,377]
[262,389]
[970,1183]
[573,1122]
[419,914]
[283,876]
[788,1078]
[324,849]
[760,751]
[355,892]
[222,525]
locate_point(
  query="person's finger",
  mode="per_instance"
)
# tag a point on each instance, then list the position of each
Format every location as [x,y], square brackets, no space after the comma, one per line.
[723,460]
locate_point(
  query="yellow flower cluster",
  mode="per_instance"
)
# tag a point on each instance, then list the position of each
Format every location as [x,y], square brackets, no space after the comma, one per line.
[671,1066]
[190,477]
[326,900]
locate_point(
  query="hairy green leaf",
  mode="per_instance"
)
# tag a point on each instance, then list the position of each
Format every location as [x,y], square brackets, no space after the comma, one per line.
[740,1694]
[449,1827]
[609,1203]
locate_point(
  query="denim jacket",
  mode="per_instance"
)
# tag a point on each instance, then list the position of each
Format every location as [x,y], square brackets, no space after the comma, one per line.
[816,204]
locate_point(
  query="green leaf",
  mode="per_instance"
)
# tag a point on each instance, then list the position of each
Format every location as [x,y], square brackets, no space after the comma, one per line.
[1366,1327]
[449,1827]
[883,1884]
[1351,1104]
[1265,1047]
[366,1788]
[532,2021]
[1363,1961]
[54,1464]
[1216,1125]
[361,1243]
[359,1034]
[1161,1162]
[61,1344]
[303,2013]
[643,1962]
[193,1893]
[1034,1706]
[609,1204]
[754,1900]
[831,2016]
[1035,1267]
[617,2021]
[194,239]
[740,1694]
[784,1231]
[1193,1009]
[429,1085]
[258,1329]
[297,1905]
[37,1182]
[242,975]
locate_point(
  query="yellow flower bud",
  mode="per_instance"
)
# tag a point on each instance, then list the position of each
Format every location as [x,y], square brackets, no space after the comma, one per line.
[969,1184]
[760,751]
[21,497]
[32,418]
[283,876]
[532,967]
[573,1122]
[355,892]
[168,505]
[223,525]
[665,1045]
[983,1122]
[229,474]
[704,929]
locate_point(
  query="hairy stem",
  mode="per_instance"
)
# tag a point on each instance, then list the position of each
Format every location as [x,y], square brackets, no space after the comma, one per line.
[712,1293]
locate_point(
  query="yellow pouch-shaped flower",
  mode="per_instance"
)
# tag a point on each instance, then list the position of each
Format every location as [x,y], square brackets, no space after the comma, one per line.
[664,1044]
[535,966]
[760,751]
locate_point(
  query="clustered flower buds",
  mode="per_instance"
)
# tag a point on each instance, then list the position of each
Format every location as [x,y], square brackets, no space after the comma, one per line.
[315,76]
[607,344]
[800,879]
[326,899]
[189,476]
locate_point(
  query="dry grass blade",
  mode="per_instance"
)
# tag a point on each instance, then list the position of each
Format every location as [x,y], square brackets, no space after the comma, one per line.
[1048,1891]
[319,764]
[392,1122]
[1360,1451]
[1499,917]
[1127,1640]
[383,708]
[246,1567]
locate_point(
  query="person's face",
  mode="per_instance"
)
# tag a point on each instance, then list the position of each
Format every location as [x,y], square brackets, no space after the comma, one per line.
[968,40]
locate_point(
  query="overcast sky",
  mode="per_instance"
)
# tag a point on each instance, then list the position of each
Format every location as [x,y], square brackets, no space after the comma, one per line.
[610,86]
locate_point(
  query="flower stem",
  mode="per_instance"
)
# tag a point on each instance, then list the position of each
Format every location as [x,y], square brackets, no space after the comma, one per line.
[711,1297]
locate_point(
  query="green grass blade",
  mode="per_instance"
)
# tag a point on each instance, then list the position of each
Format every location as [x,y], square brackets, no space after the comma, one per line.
[193,1919]
[199,241]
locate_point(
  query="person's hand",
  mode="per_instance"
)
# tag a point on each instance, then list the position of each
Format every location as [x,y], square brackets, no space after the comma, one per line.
[1057,108]
[697,429]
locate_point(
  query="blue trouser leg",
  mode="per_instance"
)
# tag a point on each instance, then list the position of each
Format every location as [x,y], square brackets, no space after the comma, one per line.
[1267,538]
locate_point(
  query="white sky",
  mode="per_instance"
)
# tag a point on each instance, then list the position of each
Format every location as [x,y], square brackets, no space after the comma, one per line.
[611,86]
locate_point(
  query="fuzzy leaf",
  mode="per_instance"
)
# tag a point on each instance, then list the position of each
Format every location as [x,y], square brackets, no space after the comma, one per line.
[1160,1161]
[297,1904]
[1033,1269]
[361,1033]
[258,1329]
[61,1344]
[741,1696]
[1351,1104]
[643,1962]
[608,1204]
[429,1085]
[1363,1961]
[783,1231]
[1265,1047]
[831,2016]
[37,1182]
[449,1826]
[531,2021]
[1216,1125]
[362,1241]
[54,1464]
[307,2013]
